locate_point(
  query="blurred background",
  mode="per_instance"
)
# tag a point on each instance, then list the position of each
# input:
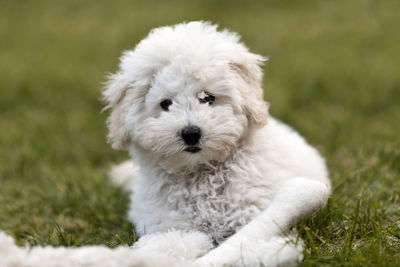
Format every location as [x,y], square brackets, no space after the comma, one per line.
[333,73]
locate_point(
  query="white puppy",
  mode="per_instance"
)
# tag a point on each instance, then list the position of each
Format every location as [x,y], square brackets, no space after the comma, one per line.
[187,103]
[216,181]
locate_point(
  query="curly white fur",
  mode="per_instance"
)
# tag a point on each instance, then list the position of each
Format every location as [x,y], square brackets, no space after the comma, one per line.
[164,250]
[236,199]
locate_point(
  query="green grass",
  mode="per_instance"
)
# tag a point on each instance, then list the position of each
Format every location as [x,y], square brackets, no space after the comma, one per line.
[334,74]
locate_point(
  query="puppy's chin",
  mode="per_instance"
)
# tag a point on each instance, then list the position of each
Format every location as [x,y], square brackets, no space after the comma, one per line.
[193,149]
[193,159]
[178,165]
[176,158]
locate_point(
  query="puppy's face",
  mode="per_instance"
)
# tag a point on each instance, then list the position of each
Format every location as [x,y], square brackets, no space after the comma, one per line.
[184,112]
[186,120]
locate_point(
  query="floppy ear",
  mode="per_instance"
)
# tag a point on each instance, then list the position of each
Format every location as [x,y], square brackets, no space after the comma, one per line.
[126,90]
[252,92]
[114,91]
[114,94]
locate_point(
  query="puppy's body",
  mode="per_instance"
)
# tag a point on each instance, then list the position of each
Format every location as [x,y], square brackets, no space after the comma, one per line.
[219,200]
[187,103]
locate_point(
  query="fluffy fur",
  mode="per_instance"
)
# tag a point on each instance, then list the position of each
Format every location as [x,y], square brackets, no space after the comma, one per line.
[233,202]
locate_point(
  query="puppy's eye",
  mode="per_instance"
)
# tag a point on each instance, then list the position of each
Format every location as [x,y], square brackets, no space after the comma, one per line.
[205,97]
[165,104]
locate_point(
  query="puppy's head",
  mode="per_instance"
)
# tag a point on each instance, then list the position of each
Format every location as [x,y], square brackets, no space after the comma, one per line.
[187,94]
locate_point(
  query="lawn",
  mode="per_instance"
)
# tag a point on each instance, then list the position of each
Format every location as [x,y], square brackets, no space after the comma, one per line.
[333,73]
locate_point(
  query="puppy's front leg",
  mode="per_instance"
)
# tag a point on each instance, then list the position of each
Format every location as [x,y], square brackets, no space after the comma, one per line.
[295,199]
[174,244]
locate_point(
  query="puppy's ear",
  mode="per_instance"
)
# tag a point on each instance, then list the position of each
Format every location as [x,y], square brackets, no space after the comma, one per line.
[121,94]
[126,90]
[114,91]
[113,95]
[251,90]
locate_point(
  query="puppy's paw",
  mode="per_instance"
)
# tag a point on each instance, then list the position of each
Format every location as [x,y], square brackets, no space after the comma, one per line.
[278,251]
[175,244]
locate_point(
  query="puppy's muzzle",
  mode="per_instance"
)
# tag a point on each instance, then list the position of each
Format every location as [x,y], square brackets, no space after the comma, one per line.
[191,136]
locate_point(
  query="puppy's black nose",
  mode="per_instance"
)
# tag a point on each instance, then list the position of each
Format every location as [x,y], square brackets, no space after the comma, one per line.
[191,135]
